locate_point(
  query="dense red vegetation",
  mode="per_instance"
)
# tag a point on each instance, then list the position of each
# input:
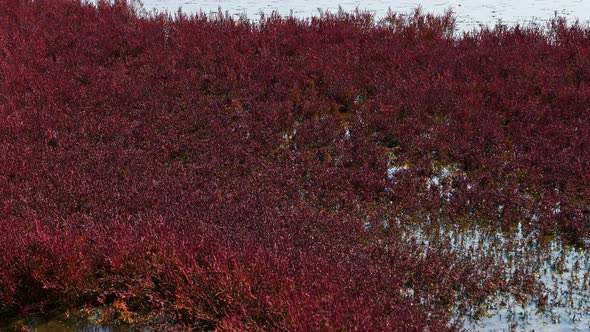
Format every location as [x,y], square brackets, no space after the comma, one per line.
[234,175]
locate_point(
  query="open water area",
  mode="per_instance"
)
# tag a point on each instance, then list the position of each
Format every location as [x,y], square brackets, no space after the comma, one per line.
[470,14]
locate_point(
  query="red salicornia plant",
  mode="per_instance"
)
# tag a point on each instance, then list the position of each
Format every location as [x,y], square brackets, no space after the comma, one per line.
[237,175]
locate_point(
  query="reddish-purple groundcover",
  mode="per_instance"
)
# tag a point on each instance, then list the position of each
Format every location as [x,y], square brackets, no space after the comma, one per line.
[236,175]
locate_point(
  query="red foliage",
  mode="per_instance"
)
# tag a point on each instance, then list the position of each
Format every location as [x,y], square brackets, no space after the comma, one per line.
[224,170]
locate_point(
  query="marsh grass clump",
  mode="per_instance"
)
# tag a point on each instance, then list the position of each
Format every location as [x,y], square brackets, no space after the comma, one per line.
[211,173]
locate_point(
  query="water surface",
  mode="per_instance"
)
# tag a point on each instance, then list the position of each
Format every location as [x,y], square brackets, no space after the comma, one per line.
[470,13]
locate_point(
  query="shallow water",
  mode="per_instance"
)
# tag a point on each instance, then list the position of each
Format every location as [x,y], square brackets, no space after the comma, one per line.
[470,14]
[564,273]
